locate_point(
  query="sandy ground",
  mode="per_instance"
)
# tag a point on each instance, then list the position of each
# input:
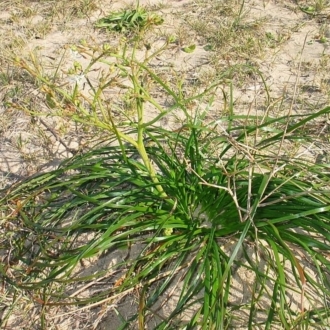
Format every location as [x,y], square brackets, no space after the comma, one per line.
[294,70]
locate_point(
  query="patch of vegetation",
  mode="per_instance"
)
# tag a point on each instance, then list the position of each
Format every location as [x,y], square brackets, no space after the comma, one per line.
[129,20]
[188,209]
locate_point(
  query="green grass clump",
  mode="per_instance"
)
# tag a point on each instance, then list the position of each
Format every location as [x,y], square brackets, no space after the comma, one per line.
[130,20]
[107,195]
[194,202]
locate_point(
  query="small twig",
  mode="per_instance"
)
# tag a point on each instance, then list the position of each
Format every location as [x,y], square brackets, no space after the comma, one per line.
[89,285]
[286,197]
[51,130]
[119,295]
[314,142]
[290,108]
[231,193]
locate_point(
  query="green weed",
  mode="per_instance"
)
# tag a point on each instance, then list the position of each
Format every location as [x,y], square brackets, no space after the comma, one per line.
[190,209]
[181,195]
[130,20]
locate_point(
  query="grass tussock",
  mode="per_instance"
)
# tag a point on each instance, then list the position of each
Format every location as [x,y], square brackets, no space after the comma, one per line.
[182,212]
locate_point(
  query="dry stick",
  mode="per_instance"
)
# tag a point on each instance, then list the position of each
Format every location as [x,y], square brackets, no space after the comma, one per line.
[119,295]
[51,130]
[239,146]
[291,105]
[205,183]
[314,142]
[245,149]
[275,170]
[285,198]
[169,295]
[90,284]
[250,177]
[299,268]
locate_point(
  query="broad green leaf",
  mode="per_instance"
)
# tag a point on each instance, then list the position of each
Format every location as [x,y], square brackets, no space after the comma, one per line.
[189,49]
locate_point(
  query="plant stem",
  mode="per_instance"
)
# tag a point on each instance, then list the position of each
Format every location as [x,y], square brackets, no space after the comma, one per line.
[139,99]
